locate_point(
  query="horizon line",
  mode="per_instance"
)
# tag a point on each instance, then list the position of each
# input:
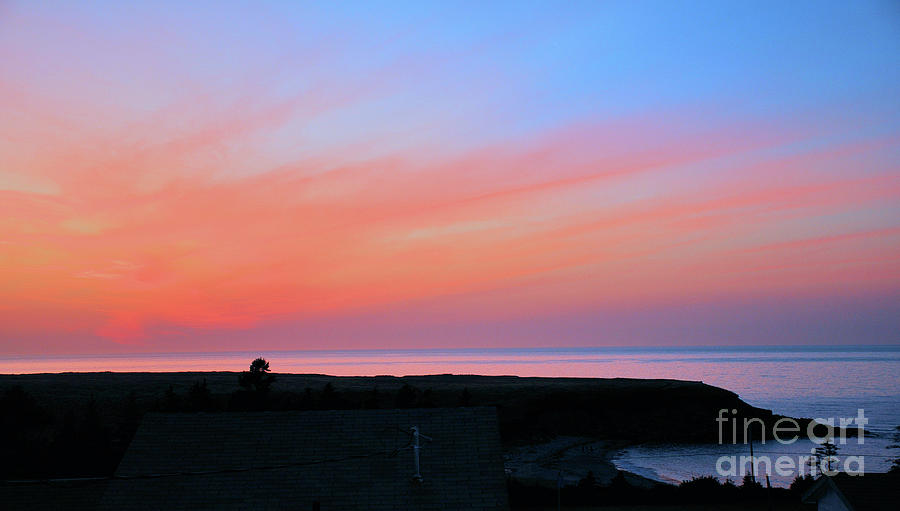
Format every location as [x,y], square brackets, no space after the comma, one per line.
[736,347]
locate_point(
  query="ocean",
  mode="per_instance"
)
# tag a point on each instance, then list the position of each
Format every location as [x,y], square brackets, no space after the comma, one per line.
[799,381]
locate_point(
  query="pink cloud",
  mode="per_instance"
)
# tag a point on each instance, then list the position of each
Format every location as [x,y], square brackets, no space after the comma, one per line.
[164,228]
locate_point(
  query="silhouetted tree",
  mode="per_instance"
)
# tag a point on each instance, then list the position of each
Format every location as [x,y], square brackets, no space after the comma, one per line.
[24,431]
[465,398]
[131,417]
[427,399]
[258,377]
[171,401]
[620,490]
[330,398]
[618,482]
[588,481]
[199,397]
[825,454]
[64,446]
[700,489]
[307,402]
[406,396]
[371,401]
[802,483]
[131,413]
[94,446]
[19,410]
[750,486]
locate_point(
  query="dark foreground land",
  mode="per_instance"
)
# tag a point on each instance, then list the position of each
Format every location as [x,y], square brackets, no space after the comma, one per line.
[79,424]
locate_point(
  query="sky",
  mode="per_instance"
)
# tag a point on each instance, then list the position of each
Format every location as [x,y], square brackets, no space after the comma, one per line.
[288,175]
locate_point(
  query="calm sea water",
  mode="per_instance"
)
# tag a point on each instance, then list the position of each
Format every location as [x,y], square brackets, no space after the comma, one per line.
[799,381]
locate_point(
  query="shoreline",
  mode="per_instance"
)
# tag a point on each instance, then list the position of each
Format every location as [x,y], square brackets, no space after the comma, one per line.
[567,460]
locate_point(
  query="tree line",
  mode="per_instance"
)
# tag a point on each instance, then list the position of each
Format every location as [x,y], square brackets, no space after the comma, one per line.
[89,438]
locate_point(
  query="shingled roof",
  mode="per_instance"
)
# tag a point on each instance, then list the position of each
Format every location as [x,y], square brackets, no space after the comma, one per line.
[867,492]
[53,495]
[342,459]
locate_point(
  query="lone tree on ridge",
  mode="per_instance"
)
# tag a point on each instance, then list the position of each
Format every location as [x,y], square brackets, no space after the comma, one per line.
[258,377]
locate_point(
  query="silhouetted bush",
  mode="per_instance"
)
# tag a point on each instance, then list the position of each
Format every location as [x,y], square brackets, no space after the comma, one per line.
[406,397]
[171,401]
[24,427]
[426,400]
[750,488]
[199,398]
[372,400]
[588,481]
[465,397]
[802,483]
[331,399]
[307,402]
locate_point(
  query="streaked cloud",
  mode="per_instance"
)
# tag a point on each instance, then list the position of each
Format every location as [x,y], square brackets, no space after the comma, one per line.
[446,184]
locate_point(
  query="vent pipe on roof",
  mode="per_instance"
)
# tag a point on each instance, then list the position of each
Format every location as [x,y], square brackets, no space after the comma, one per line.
[416,435]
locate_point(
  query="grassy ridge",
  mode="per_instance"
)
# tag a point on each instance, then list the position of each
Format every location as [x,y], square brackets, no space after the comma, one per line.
[55,421]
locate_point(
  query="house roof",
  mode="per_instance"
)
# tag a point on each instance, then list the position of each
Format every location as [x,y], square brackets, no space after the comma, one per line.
[865,492]
[53,495]
[342,459]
